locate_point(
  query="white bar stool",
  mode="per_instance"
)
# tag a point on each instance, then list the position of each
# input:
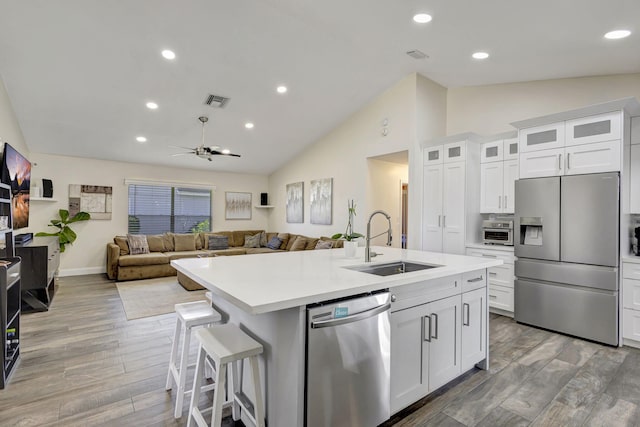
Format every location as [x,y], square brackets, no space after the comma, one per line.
[227,344]
[189,315]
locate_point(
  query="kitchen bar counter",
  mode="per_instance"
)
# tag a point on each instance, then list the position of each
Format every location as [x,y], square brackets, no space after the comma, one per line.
[267,294]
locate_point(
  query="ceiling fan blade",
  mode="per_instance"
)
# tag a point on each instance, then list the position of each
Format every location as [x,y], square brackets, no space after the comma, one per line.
[182,154]
[182,148]
[220,153]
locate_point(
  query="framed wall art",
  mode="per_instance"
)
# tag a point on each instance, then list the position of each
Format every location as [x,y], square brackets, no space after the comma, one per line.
[295,207]
[320,197]
[237,205]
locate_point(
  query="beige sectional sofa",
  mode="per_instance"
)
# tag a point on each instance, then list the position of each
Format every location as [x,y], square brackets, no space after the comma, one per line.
[163,248]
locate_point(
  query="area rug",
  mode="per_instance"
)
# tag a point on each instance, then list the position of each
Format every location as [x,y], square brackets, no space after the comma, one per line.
[152,297]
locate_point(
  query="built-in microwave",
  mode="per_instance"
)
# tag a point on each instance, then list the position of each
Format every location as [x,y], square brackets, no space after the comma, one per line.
[497,232]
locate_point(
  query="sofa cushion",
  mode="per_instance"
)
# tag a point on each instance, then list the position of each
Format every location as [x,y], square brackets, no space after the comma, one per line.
[137,244]
[251,251]
[152,258]
[122,243]
[299,244]
[184,242]
[252,241]
[230,251]
[156,242]
[217,242]
[336,242]
[311,243]
[274,243]
[168,242]
[186,254]
[292,239]
[323,244]
[285,240]
[238,236]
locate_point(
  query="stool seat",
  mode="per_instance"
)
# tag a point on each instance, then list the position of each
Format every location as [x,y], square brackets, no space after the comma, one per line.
[197,313]
[228,343]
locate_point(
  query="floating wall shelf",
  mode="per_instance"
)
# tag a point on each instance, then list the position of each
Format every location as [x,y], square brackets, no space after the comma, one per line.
[264,207]
[42,199]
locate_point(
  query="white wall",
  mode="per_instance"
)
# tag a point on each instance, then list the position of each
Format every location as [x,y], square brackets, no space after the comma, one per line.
[88,253]
[9,128]
[385,181]
[489,109]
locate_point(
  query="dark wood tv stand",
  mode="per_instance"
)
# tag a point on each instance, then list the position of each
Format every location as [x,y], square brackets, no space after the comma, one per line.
[40,261]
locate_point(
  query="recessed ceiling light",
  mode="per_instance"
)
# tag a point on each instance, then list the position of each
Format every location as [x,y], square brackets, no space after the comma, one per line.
[226,151]
[248,125]
[168,54]
[617,34]
[152,105]
[281,89]
[480,55]
[422,18]
[141,139]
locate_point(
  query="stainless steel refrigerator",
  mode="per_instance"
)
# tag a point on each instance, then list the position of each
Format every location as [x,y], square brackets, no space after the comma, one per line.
[567,232]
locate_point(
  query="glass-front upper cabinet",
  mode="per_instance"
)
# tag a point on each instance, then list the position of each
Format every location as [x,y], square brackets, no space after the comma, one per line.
[542,137]
[510,149]
[587,130]
[454,152]
[491,151]
[432,155]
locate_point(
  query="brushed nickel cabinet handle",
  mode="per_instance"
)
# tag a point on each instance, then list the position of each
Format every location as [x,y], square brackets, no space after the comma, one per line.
[426,330]
[465,306]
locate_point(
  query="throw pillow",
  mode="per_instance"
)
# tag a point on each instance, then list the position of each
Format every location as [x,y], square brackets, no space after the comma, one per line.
[299,244]
[122,243]
[252,241]
[217,242]
[311,243]
[156,243]
[138,244]
[285,239]
[263,239]
[168,242]
[274,243]
[323,244]
[184,242]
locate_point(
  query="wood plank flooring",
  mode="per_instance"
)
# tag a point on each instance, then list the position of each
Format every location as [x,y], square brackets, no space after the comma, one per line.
[84,364]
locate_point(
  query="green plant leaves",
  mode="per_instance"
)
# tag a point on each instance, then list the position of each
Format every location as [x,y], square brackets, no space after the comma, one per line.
[66,235]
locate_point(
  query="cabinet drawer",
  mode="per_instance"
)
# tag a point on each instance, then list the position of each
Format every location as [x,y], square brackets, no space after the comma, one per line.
[432,155]
[603,127]
[631,324]
[501,297]
[501,275]
[491,151]
[631,294]
[631,270]
[506,257]
[406,296]
[474,280]
[541,137]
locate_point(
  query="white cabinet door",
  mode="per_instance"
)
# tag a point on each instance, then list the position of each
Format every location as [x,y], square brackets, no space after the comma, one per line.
[432,155]
[407,382]
[541,137]
[432,208]
[454,152]
[510,175]
[501,297]
[631,294]
[593,158]
[445,340]
[587,130]
[474,328]
[510,149]
[491,187]
[542,163]
[453,219]
[631,324]
[491,151]
[634,204]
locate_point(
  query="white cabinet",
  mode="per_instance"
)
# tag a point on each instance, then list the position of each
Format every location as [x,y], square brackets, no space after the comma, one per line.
[631,303]
[510,149]
[586,145]
[501,278]
[425,349]
[474,328]
[498,176]
[450,190]
[634,185]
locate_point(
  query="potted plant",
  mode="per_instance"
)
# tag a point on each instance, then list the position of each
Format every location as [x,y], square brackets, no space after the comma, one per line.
[349,235]
[65,234]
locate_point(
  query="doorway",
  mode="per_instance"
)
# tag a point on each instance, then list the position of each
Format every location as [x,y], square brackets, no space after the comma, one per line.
[404,204]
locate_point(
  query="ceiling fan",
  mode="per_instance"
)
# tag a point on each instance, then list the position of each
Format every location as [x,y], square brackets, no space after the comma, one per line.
[203,151]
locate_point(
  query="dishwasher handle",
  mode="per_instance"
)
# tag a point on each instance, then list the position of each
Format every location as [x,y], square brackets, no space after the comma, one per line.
[350,319]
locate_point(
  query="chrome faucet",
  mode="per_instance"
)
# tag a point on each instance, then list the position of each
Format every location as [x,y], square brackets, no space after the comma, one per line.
[367,250]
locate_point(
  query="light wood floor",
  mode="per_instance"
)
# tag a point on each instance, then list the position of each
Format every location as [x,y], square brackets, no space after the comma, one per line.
[84,364]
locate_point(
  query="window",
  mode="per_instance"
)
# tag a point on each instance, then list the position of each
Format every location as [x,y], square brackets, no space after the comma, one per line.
[157,209]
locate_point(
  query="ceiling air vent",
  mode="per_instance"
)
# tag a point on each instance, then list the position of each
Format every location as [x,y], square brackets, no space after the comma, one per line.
[216,101]
[416,54]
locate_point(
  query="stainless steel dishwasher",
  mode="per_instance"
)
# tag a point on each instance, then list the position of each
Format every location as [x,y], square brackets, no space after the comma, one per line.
[347,372]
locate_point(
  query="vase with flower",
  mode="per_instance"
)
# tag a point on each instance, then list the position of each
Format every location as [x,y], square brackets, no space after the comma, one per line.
[349,235]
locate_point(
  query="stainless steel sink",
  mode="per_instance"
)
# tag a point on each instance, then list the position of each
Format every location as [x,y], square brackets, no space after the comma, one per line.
[391,268]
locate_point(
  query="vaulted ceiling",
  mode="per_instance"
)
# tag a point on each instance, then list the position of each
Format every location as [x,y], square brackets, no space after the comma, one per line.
[79,72]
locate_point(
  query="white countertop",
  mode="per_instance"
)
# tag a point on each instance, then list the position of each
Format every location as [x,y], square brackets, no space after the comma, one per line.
[631,258]
[263,283]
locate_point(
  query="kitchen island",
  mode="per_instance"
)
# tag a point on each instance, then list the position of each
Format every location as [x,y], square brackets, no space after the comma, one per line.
[267,295]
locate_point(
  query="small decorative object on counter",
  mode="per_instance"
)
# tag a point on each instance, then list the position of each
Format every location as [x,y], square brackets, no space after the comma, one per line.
[349,235]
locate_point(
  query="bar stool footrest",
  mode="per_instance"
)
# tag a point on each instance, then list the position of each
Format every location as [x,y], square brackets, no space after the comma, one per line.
[245,404]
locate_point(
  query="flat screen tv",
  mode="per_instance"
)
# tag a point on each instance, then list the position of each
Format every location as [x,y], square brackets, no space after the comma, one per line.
[16,172]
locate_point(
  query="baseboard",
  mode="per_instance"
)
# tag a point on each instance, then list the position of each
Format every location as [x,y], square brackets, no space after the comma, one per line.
[500,312]
[80,271]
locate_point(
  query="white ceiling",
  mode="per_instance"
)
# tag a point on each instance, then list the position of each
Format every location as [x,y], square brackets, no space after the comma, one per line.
[79,72]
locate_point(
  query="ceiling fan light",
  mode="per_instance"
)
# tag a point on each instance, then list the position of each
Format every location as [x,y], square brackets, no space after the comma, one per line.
[226,151]
[248,125]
